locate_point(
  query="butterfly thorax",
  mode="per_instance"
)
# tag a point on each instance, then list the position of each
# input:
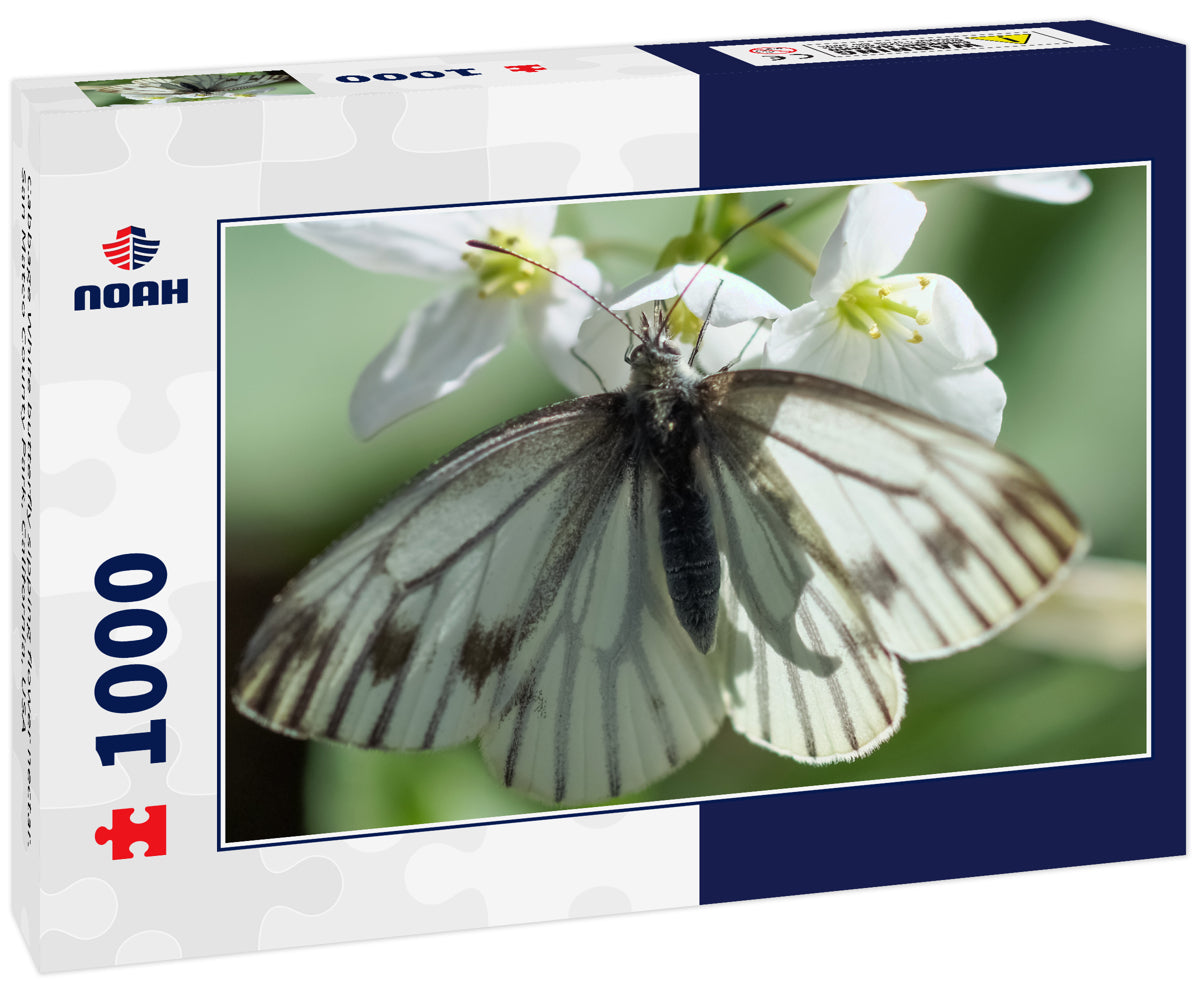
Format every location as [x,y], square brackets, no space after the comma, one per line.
[667,432]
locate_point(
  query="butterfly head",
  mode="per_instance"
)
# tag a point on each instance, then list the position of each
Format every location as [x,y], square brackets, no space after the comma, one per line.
[655,360]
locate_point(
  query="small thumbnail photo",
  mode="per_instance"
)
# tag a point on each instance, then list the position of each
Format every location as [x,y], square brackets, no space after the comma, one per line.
[195,87]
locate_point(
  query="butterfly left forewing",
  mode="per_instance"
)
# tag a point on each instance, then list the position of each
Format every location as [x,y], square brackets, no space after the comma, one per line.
[394,636]
[515,592]
[945,539]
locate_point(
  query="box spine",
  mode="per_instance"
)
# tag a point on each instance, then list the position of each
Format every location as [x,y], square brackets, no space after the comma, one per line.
[26,851]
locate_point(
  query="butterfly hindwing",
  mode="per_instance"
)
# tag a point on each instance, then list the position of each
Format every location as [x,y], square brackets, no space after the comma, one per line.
[806,673]
[609,693]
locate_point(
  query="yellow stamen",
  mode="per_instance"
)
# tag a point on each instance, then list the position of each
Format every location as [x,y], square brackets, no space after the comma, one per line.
[501,274]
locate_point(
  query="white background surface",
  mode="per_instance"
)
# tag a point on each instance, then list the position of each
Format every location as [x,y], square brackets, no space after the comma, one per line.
[1124,931]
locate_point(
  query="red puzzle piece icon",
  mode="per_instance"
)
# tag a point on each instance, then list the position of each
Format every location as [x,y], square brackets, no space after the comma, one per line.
[124,832]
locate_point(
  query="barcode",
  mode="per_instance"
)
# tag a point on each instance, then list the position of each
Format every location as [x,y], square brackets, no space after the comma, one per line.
[887,48]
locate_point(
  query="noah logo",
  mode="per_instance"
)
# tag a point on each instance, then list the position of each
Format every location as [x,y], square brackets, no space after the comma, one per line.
[131,250]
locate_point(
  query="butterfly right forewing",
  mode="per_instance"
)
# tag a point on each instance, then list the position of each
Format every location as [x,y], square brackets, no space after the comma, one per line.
[945,539]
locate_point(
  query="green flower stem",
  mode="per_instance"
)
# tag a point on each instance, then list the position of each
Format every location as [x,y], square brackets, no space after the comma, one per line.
[790,247]
[776,235]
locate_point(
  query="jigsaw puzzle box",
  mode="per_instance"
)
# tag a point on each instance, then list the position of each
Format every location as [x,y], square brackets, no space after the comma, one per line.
[762,429]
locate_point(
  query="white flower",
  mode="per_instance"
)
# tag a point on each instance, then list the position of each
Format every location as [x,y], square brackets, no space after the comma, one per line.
[739,319]
[451,336]
[1057,187]
[916,339]
[201,87]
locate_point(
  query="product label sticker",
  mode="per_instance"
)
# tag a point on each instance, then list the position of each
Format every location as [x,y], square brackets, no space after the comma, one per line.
[789,53]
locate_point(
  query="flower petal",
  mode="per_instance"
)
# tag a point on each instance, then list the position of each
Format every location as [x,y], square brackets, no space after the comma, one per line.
[740,346]
[956,327]
[424,245]
[602,343]
[871,239]
[740,309]
[554,321]
[926,376]
[971,397]
[421,244]
[438,348]
[814,340]
[739,298]
[533,220]
[1057,187]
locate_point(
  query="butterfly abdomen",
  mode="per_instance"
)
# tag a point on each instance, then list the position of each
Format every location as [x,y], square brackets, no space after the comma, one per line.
[691,560]
[686,534]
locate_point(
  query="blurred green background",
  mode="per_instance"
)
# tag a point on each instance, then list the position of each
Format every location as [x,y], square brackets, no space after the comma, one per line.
[1063,289]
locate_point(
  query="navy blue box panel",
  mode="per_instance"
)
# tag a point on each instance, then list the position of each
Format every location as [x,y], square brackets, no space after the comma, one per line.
[939,114]
[936,829]
[1116,103]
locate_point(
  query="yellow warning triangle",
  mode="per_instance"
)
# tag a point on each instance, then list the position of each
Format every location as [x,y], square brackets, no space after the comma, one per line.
[1015,39]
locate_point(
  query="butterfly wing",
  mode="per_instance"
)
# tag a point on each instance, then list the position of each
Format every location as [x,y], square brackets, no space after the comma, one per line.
[510,592]
[609,693]
[945,539]
[805,672]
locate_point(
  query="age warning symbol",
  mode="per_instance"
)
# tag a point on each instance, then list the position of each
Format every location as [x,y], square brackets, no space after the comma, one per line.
[1019,38]
[131,250]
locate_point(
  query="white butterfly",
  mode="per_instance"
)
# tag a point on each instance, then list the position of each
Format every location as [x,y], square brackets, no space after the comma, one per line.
[591,588]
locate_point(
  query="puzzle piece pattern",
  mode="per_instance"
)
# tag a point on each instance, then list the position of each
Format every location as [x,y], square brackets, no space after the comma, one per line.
[545,868]
[559,867]
[151,945]
[217,135]
[181,902]
[125,499]
[384,173]
[106,185]
[127,435]
[375,900]
[580,117]
[85,909]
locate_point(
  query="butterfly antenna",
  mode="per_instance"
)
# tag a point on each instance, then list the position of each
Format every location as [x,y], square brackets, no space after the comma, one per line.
[770,210]
[729,365]
[704,326]
[483,245]
[590,368]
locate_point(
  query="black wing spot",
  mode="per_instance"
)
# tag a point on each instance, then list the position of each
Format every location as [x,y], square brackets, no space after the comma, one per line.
[389,652]
[483,651]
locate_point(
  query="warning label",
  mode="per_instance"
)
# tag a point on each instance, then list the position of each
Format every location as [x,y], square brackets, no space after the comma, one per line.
[797,52]
[1019,39]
